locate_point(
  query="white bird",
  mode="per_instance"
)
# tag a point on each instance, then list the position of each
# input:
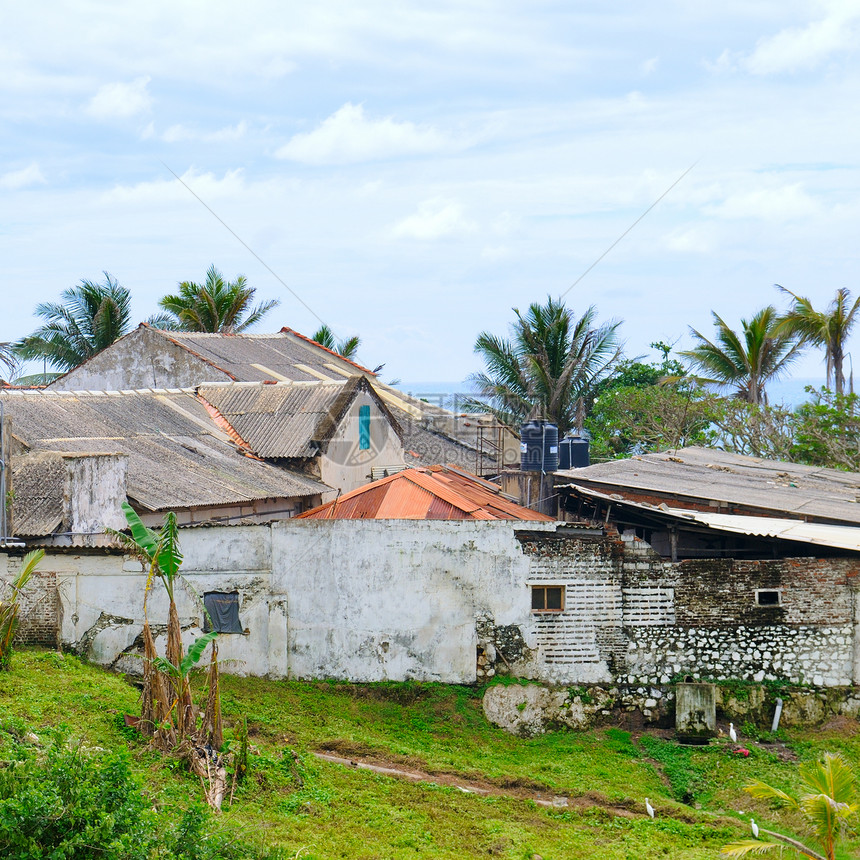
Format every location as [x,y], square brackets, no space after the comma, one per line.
[754,828]
[732,733]
[648,808]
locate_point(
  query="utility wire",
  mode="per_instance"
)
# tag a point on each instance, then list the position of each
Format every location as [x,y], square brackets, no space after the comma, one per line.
[627,230]
[246,245]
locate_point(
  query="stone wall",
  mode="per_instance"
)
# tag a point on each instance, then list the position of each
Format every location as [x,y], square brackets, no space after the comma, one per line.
[452,602]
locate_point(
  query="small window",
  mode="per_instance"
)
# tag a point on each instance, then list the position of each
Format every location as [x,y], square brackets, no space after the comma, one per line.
[222,612]
[547,598]
[767,597]
[364,428]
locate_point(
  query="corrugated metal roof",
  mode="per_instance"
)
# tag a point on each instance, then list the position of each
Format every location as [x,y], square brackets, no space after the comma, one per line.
[178,457]
[731,483]
[820,534]
[419,494]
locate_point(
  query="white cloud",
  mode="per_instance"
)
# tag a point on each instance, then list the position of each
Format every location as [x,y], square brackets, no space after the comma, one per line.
[29,175]
[695,240]
[434,219]
[781,204]
[207,185]
[805,47]
[348,136]
[179,133]
[119,100]
[649,66]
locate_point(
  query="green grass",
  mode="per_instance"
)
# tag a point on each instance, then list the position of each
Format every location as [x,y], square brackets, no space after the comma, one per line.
[316,809]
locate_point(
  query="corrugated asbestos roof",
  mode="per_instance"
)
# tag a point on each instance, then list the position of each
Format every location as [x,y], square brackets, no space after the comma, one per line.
[282,356]
[38,484]
[437,493]
[178,457]
[820,534]
[288,419]
[730,483]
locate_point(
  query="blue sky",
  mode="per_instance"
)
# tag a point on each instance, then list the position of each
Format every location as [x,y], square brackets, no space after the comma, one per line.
[413,171]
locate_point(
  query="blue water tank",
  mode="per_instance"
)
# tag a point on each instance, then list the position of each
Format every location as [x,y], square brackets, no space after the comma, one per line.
[538,447]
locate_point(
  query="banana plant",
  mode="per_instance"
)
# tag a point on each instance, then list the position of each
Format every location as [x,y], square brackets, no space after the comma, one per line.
[10,607]
[829,804]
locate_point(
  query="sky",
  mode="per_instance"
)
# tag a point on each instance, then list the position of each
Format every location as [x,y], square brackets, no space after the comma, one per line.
[410,172]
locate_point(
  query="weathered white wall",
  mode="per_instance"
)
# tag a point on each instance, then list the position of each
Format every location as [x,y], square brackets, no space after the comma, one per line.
[391,599]
[371,600]
[344,465]
[142,359]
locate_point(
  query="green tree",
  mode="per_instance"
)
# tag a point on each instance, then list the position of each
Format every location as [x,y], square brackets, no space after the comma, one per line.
[89,318]
[829,329]
[747,361]
[215,305]
[7,358]
[828,804]
[550,367]
[347,347]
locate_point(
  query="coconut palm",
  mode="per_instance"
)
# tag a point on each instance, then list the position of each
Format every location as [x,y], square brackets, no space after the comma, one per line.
[89,318]
[215,305]
[7,358]
[829,805]
[828,328]
[748,360]
[348,347]
[550,367]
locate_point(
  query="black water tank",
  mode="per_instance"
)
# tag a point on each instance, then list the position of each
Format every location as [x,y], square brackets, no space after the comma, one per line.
[538,447]
[573,451]
[579,457]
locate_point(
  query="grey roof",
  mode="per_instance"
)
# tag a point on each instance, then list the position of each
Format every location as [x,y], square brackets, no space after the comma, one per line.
[796,531]
[286,419]
[38,483]
[282,356]
[178,457]
[729,483]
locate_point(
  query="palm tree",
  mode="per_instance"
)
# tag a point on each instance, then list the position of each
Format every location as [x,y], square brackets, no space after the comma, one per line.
[828,803]
[89,318]
[829,328]
[215,305]
[7,358]
[550,367]
[746,361]
[348,347]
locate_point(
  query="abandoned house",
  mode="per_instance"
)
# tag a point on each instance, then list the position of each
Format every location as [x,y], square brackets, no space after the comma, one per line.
[151,358]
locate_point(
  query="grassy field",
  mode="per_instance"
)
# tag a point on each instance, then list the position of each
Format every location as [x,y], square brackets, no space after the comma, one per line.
[317,809]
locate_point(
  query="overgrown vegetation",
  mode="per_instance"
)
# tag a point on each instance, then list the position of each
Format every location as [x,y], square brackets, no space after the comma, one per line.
[61,798]
[10,605]
[315,809]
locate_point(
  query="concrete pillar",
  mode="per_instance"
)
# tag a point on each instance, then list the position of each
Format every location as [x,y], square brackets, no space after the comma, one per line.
[695,712]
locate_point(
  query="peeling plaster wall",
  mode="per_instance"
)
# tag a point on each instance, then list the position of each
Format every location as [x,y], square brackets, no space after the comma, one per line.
[372,600]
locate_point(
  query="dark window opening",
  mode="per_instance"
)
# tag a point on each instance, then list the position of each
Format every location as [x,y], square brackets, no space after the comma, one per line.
[547,598]
[222,612]
[767,598]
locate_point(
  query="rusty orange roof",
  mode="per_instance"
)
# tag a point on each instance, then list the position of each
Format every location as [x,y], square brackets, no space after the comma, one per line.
[434,493]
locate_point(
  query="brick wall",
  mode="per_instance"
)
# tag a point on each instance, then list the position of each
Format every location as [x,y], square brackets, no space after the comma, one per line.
[648,620]
[38,614]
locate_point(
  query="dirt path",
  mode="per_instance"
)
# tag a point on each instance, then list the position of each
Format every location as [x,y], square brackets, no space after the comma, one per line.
[479,787]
